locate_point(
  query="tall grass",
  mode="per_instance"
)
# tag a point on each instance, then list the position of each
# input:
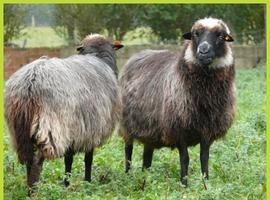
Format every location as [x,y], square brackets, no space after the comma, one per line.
[236,167]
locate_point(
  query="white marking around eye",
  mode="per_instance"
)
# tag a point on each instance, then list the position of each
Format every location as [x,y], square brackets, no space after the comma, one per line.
[225,61]
[212,22]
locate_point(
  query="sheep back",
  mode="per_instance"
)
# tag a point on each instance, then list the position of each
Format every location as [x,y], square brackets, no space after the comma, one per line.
[72,102]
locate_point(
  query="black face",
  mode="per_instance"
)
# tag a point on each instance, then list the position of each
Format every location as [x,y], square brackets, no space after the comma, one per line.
[208,45]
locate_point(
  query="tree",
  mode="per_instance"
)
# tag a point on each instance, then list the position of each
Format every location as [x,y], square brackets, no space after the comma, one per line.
[162,19]
[41,13]
[167,21]
[64,21]
[14,16]
[120,18]
[116,20]
[247,21]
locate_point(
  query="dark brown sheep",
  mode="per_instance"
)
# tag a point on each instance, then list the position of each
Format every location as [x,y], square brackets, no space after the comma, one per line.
[180,100]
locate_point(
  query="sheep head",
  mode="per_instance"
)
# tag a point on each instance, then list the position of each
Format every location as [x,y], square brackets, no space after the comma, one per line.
[96,43]
[208,45]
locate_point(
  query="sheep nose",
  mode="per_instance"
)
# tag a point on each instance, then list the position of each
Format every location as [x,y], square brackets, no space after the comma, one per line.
[204,48]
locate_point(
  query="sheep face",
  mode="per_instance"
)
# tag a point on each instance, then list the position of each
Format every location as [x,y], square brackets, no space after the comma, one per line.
[208,43]
[96,43]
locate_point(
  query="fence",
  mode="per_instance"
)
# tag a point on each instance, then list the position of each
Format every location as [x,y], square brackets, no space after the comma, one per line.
[16,58]
[245,56]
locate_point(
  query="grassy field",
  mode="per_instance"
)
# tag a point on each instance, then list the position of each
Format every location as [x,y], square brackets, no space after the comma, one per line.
[39,37]
[47,37]
[236,167]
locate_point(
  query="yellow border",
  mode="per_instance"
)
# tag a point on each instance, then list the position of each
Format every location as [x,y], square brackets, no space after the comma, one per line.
[136,2]
[268,102]
[1,102]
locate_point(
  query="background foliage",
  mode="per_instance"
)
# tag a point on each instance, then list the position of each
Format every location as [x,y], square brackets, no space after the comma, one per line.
[14,16]
[166,21]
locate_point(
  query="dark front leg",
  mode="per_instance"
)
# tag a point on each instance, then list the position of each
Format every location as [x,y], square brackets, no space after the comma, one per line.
[128,155]
[204,156]
[147,156]
[184,162]
[88,159]
[29,182]
[34,168]
[28,168]
[68,165]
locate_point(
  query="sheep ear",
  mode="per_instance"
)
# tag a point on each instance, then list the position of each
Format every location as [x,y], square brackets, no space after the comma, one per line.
[117,45]
[228,38]
[187,36]
[80,48]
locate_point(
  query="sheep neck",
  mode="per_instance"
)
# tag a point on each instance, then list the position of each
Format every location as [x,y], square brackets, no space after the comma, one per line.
[109,58]
[106,56]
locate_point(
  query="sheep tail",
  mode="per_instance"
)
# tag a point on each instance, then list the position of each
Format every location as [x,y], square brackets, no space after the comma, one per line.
[19,115]
[43,137]
[23,120]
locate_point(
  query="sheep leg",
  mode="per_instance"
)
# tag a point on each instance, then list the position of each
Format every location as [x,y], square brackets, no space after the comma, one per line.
[28,171]
[128,155]
[184,162]
[88,159]
[204,157]
[33,169]
[68,165]
[147,156]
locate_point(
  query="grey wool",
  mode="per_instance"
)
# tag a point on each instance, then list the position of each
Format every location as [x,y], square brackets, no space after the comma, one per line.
[53,105]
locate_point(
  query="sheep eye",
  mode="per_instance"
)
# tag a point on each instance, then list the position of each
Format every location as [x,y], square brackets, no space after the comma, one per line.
[196,33]
[219,35]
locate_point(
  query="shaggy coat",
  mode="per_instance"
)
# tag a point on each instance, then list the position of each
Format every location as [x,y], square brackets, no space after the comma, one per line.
[173,100]
[56,105]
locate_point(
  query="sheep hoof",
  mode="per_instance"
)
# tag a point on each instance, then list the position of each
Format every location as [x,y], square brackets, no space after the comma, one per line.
[66,182]
[30,192]
[127,168]
[183,182]
[88,180]
[205,176]
[144,168]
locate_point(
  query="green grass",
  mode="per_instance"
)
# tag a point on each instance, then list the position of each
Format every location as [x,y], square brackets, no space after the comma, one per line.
[40,37]
[47,37]
[236,166]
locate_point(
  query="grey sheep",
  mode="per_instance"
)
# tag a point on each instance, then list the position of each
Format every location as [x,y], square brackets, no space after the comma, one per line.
[56,107]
